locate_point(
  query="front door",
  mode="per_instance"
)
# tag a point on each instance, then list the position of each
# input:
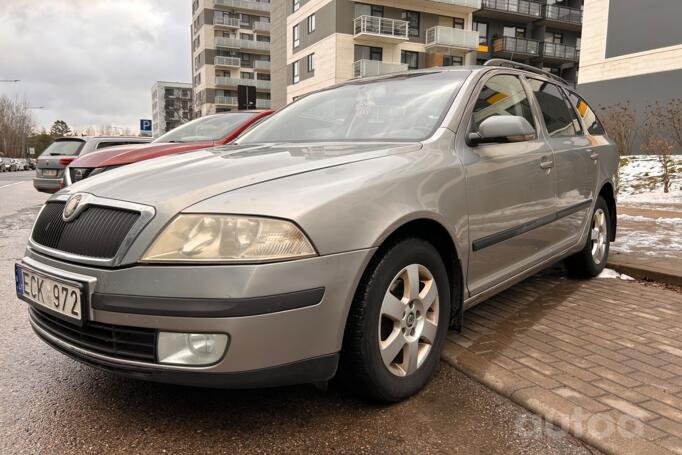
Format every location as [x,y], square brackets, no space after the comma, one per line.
[510,190]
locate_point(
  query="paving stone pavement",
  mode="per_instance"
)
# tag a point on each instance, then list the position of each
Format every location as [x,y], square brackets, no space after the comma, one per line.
[599,358]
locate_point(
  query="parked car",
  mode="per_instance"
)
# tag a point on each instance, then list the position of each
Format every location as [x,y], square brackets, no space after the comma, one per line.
[51,164]
[12,164]
[209,131]
[22,164]
[5,164]
[351,229]
[32,164]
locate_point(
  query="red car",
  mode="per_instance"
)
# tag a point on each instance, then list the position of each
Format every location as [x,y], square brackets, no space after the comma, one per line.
[209,131]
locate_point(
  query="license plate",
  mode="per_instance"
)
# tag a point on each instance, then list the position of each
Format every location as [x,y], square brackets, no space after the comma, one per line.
[50,172]
[59,297]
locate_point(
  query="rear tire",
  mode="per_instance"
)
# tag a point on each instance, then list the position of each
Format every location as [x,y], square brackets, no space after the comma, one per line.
[591,261]
[398,322]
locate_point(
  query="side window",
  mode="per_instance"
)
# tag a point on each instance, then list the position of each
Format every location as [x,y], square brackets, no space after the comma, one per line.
[502,95]
[590,119]
[556,112]
[102,145]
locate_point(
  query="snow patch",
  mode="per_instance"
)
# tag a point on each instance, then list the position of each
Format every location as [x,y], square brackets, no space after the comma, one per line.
[612,274]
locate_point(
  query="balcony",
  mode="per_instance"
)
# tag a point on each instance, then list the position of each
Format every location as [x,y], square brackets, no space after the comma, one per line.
[226,100]
[502,9]
[559,53]
[261,27]
[236,43]
[233,62]
[563,17]
[235,82]
[231,22]
[446,39]
[379,29]
[472,4]
[263,104]
[510,47]
[368,68]
[243,5]
[261,65]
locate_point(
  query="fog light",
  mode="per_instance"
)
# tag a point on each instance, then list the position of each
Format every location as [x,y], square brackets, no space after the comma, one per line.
[191,348]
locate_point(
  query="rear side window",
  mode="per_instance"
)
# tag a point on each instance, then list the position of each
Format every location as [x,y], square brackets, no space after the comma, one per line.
[558,116]
[64,148]
[102,145]
[502,95]
[590,119]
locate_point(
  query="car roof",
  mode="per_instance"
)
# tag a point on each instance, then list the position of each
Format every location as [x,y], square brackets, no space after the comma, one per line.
[109,138]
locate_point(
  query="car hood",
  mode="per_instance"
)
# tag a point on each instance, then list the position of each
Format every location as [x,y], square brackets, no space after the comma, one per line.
[126,154]
[175,182]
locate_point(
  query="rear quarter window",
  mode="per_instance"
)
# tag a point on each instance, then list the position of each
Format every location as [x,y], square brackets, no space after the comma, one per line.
[584,110]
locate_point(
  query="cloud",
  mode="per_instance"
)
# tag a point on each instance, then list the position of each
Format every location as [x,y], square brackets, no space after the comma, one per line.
[93,62]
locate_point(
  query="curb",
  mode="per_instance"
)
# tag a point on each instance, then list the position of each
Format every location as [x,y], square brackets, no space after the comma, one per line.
[546,404]
[643,272]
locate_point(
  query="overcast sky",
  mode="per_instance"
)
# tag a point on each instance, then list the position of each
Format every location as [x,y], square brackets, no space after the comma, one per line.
[93,62]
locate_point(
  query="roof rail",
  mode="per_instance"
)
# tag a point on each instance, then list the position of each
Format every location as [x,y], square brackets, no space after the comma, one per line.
[511,64]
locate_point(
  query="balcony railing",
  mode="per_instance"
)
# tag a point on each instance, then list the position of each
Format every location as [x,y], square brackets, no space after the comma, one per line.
[563,14]
[263,104]
[261,65]
[511,45]
[234,82]
[236,43]
[227,100]
[227,61]
[367,68]
[226,21]
[261,26]
[243,4]
[381,27]
[523,7]
[473,4]
[448,37]
[560,51]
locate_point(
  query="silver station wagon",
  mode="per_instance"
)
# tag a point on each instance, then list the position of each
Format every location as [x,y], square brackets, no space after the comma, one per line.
[346,232]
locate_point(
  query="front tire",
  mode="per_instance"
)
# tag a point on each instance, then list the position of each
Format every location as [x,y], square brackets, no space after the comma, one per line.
[591,261]
[398,322]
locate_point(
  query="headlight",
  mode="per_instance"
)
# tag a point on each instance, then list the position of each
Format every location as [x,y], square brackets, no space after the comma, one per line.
[228,238]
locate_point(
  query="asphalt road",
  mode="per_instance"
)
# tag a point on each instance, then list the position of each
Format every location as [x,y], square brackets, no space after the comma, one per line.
[52,404]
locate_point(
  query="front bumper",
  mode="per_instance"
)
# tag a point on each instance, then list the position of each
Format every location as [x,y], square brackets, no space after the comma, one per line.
[283,319]
[47,185]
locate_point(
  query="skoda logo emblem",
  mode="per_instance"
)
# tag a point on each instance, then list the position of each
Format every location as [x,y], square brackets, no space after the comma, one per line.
[71,207]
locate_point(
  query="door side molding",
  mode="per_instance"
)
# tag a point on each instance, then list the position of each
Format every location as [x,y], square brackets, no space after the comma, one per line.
[507,234]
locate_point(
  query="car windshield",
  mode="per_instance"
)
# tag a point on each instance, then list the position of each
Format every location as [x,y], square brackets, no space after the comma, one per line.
[64,147]
[209,128]
[402,108]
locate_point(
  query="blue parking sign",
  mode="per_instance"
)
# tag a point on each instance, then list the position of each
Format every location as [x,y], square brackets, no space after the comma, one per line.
[145,126]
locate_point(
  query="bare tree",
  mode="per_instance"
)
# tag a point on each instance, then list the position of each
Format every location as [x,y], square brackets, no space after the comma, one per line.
[664,151]
[16,123]
[667,119]
[620,121]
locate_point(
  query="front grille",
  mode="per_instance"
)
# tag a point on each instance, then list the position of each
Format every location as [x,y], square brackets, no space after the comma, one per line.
[97,232]
[131,343]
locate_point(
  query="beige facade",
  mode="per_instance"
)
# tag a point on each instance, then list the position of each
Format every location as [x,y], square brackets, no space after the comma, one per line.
[433,33]
[595,66]
[230,48]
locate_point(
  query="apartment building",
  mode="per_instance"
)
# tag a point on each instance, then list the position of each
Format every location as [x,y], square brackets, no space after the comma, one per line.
[230,55]
[632,52]
[171,106]
[330,41]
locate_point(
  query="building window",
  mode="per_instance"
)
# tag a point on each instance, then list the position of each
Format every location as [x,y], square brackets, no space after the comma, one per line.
[411,58]
[553,37]
[246,36]
[245,75]
[368,53]
[297,4]
[197,79]
[412,17]
[297,72]
[452,60]
[514,32]
[311,63]
[362,9]
[482,29]
[311,23]
[297,40]
[458,23]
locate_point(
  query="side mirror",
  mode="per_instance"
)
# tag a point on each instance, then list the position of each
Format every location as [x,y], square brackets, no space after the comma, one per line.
[502,129]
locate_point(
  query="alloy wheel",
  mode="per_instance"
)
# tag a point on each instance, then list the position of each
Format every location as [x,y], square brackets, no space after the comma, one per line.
[599,235]
[408,322]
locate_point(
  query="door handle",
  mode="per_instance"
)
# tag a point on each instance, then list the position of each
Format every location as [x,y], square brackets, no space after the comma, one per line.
[593,155]
[546,164]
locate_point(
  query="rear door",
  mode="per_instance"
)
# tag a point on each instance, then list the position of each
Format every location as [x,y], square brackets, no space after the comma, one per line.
[575,157]
[510,189]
